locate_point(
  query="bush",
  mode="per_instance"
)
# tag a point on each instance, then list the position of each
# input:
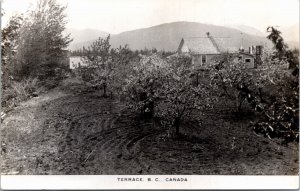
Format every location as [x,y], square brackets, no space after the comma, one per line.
[180,98]
[281,110]
[164,88]
[143,83]
[17,92]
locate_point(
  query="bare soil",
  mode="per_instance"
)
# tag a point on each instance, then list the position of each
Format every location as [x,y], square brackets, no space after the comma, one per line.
[72,131]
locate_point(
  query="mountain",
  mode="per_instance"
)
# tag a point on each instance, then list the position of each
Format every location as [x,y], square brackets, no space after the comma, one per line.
[167,36]
[85,36]
[248,30]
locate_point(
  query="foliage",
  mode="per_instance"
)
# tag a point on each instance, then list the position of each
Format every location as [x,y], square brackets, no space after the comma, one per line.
[143,83]
[278,42]
[281,111]
[99,64]
[123,62]
[232,79]
[79,52]
[41,47]
[282,52]
[271,89]
[33,52]
[17,92]
[180,99]
[165,54]
[10,34]
[164,89]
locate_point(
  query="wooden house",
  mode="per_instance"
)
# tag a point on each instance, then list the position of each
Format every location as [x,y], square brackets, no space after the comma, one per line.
[247,59]
[204,50]
[77,62]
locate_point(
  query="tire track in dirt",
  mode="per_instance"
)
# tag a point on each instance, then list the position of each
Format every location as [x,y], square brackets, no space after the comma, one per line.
[103,141]
[121,148]
[96,135]
[85,134]
[187,155]
[99,139]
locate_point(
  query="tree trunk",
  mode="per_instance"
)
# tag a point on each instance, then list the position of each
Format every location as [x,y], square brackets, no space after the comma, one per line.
[104,90]
[151,108]
[261,95]
[239,101]
[176,124]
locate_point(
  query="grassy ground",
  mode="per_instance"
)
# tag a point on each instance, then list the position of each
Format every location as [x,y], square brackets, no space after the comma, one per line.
[71,130]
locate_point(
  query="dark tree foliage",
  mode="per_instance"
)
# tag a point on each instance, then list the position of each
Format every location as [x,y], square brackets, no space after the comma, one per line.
[41,47]
[282,52]
[79,52]
[10,34]
[99,64]
[276,38]
[281,111]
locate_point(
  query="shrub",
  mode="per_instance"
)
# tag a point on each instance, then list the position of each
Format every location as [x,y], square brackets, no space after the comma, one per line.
[17,92]
[180,98]
[143,83]
[281,111]
[164,89]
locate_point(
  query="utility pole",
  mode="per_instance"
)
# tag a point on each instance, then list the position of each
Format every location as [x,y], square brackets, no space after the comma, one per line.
[242,44]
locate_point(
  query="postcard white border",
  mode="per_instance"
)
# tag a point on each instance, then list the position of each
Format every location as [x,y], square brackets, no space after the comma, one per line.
[35,182]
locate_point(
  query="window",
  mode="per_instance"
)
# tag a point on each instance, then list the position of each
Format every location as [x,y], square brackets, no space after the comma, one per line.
[247,60]
[203,59]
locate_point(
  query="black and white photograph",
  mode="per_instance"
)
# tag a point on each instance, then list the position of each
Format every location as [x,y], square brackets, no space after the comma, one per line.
[136,88]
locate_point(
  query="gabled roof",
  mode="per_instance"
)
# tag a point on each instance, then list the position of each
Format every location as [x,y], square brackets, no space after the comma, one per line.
[226,45]
[207,45]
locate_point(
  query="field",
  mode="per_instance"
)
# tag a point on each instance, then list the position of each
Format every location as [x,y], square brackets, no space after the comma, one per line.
[71,130]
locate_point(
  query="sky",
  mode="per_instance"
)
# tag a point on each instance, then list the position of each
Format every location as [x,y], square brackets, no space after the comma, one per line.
[115,16]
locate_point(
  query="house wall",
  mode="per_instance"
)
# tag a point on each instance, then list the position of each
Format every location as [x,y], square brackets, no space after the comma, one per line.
[76,61]
[248,64]
[197,59]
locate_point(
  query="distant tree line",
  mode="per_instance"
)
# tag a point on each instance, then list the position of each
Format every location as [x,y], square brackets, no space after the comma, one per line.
[145,51]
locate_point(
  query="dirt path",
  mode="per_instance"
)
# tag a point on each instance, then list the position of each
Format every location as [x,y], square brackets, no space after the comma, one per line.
[62,132]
